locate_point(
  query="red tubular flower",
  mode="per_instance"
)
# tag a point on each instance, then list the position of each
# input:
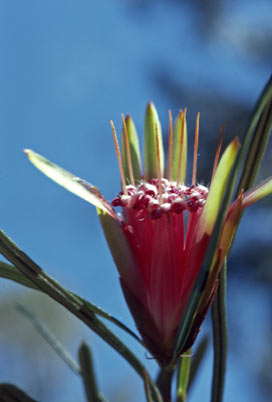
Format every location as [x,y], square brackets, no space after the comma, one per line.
[159,241]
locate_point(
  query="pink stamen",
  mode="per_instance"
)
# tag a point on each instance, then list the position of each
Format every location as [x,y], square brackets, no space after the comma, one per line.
[159,164]
[181,142]
[195,150]
[117,149]
[173,198]
[170,151]
[218,150]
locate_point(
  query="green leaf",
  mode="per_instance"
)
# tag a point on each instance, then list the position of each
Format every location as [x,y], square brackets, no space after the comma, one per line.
[70,182]
[134,148]
[12,273]
[50,338]
[147,389]
[220,338]
[179,149]
[261,113]
[11,393]
[88,374]
[257,148]
[152,125]
[184,365]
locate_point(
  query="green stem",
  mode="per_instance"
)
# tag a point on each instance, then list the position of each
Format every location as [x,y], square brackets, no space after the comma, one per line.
[220,338]
[147,389]
[183,374]
[164,382]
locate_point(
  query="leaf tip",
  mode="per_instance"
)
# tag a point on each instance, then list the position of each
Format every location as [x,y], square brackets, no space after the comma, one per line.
[128,118]
[27,151]
[236,143]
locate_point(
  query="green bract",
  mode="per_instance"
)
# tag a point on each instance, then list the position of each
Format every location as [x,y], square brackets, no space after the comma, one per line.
[179,162]
[134,150]
[152,126]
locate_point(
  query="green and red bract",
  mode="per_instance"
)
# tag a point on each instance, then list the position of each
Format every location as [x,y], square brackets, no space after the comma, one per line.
[160,238]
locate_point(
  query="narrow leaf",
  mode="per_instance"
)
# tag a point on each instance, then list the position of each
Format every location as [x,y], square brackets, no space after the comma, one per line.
[88,374]
[11,393]
[147,389]
[71,182]
[257,148]
[264,102]
[220,338]
[152,124]
[12,273]
[50,338]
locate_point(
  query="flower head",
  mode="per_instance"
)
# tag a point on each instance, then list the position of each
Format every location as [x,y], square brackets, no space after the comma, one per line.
[160,239]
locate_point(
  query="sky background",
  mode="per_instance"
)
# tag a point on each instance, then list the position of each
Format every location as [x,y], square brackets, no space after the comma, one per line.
[67,69]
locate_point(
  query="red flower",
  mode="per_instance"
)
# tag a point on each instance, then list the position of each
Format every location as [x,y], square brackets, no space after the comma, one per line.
[160,240]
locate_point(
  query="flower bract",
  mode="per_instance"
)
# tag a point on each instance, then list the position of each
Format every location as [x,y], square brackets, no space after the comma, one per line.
[159,237]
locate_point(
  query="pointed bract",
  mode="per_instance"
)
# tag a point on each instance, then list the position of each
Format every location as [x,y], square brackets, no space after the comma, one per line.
[152,124]
[134,151]
[179,162]
[120,249]
[257,193]
[71,182]
[218,188]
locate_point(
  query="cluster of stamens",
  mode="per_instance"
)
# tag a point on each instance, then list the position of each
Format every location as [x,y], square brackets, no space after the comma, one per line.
[162,196]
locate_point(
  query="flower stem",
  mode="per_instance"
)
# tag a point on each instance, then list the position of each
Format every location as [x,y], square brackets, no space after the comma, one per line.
[164,382]
[183,373]
[220,338]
